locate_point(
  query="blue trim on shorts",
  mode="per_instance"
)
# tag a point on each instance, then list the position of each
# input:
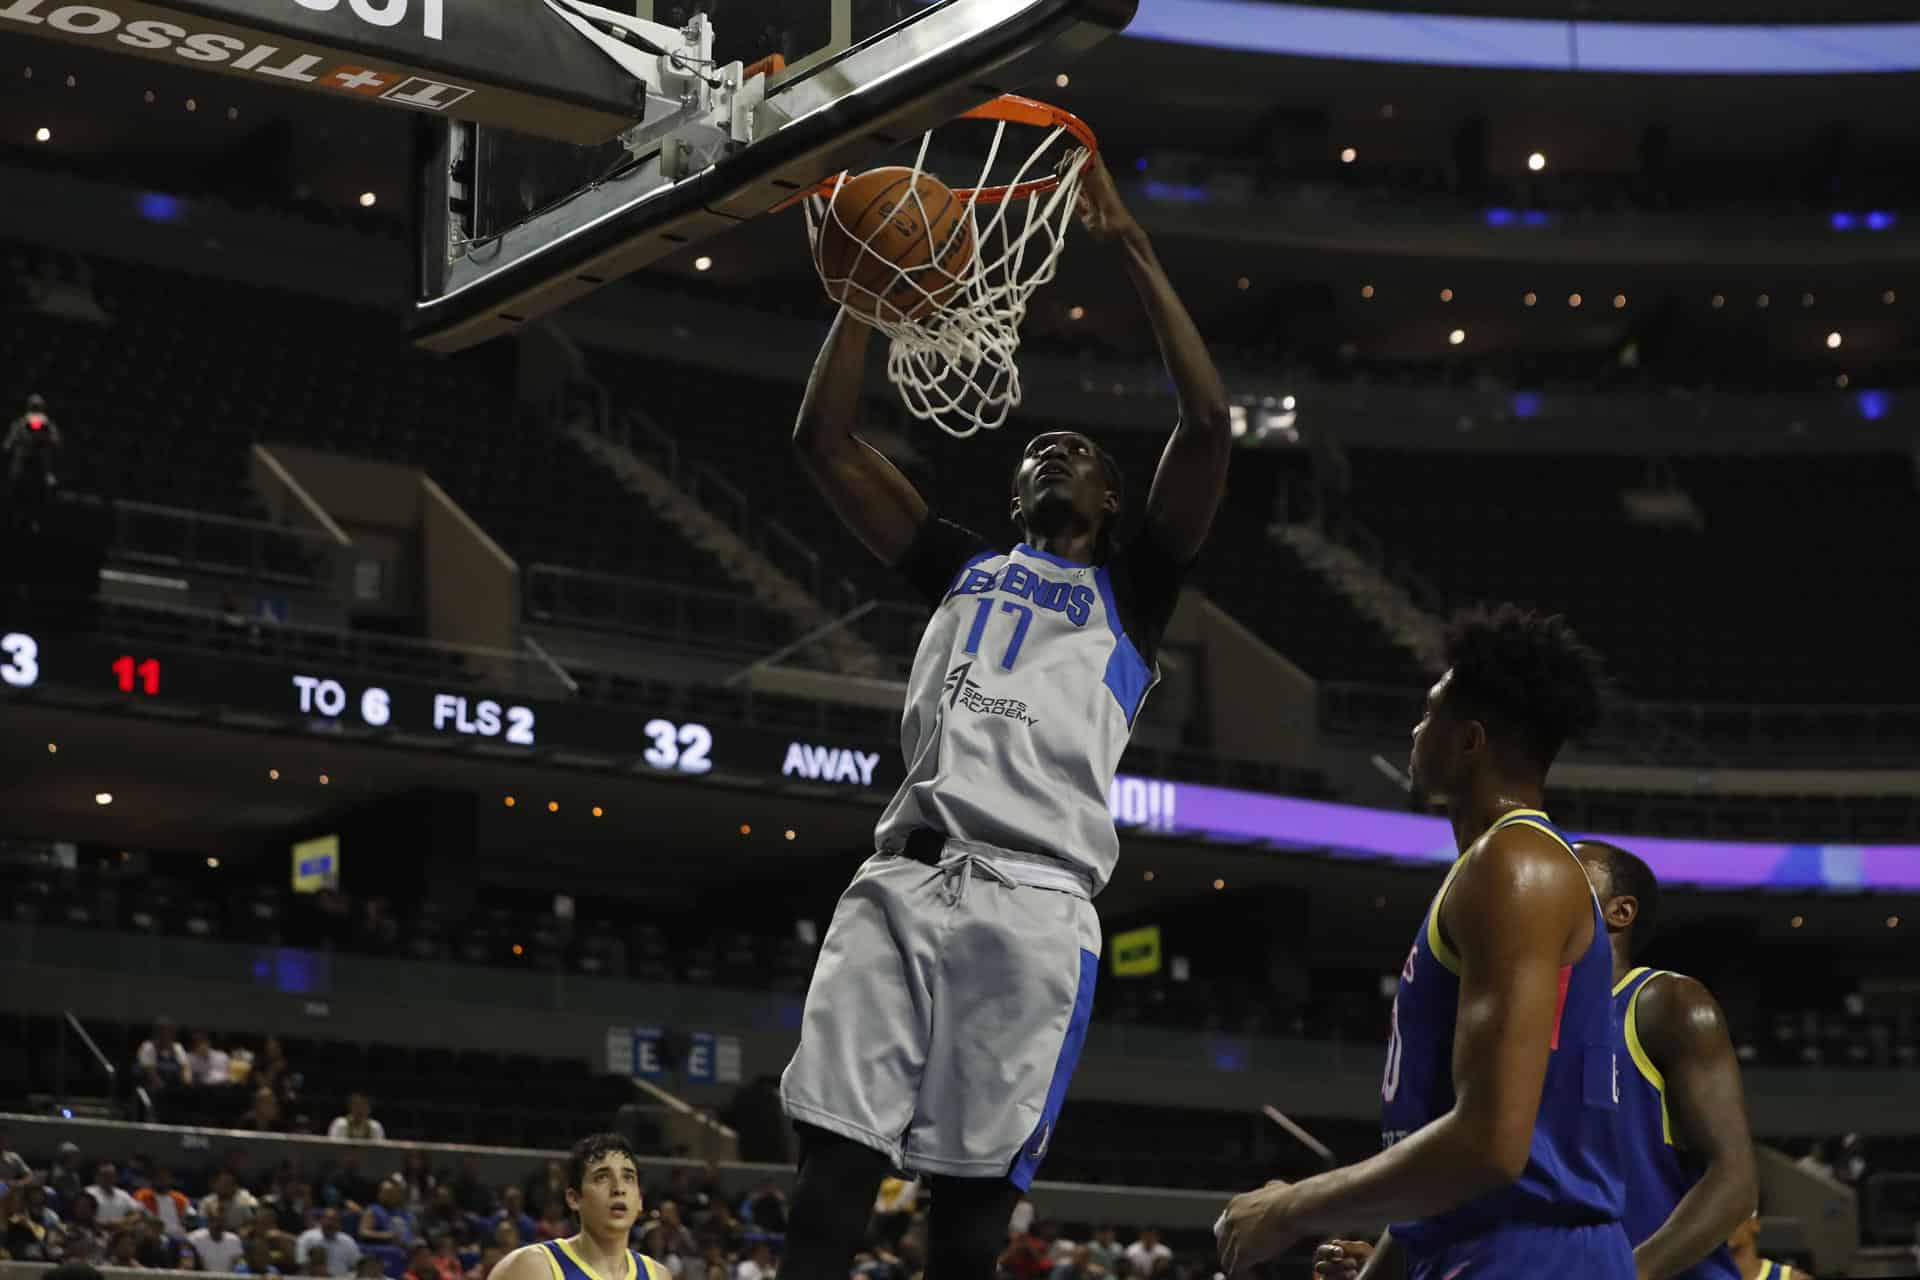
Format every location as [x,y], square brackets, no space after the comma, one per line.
[1034,1149]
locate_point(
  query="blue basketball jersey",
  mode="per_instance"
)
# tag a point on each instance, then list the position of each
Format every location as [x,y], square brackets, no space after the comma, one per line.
[568,1265]
[1572,1175]
[1658,1174]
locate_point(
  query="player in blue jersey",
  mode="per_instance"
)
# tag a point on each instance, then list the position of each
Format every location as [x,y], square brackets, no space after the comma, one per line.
[1686,1150]
[954,986]
[1501,1090]
[1743,1244]
[603,1192]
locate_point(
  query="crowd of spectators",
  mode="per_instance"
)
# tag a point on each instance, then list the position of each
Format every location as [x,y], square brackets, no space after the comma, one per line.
[411,1221]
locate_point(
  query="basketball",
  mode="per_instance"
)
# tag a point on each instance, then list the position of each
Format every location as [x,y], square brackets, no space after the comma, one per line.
[894,245]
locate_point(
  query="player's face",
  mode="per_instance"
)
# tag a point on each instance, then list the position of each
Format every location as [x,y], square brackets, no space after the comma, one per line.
[608,1200]
[1427,767]
[1061,483]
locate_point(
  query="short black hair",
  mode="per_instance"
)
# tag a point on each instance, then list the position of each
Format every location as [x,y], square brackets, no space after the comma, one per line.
[1116,484]
[1630,877]
[1527,674]
[592,1149]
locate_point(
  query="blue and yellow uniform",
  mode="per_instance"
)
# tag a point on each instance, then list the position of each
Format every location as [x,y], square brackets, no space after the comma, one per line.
[1562,1216]
[568,1265]
[1658,1174]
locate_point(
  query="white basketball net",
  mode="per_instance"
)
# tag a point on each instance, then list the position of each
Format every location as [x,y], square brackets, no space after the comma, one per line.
[954,364]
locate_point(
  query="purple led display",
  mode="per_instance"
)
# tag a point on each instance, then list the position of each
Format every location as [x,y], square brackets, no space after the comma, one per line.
[1348,831]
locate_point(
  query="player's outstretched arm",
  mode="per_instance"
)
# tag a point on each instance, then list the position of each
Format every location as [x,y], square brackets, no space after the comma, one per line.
[1193,471]
[867,491]
[1685,1035]
[1510,916]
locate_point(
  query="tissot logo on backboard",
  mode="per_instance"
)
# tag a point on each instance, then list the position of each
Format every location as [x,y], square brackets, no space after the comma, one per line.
[280,59]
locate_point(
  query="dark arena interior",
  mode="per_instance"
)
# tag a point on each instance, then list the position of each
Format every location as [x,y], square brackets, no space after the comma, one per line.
[437,723]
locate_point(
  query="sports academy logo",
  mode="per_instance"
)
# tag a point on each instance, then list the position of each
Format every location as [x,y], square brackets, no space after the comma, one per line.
[964,693]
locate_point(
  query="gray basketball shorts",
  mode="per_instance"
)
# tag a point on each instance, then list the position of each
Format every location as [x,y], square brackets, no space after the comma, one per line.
[945,1018]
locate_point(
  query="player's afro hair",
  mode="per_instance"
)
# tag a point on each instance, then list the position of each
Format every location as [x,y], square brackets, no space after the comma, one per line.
[1526,675]
[592,1149]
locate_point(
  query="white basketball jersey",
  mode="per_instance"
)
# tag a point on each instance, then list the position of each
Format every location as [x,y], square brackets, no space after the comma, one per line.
[1024,692]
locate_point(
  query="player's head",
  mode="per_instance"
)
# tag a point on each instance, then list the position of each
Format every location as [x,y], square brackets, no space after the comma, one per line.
[603,1185]
[1065,480]
[1628,891]
[1517,686]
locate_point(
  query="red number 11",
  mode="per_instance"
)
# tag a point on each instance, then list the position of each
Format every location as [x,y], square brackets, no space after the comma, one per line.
[147,673]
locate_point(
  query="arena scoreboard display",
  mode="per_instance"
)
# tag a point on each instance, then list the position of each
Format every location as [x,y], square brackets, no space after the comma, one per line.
[92,670]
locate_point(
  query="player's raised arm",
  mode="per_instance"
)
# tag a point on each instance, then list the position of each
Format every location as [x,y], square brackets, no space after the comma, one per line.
[871,496]
[1193,471]
[1685,1034]
[1511,916]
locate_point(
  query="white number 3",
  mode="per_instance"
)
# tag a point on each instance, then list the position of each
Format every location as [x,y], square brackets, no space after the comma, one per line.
[23,671]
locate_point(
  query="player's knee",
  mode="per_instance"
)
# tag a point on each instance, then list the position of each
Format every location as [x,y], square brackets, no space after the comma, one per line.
[833,1197]
[967,1231]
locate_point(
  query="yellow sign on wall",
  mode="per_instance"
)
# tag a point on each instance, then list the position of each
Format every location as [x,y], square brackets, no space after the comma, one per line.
[1136,953]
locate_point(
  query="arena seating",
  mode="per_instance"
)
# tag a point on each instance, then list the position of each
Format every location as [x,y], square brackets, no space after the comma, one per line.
[163,403]
[1768,602]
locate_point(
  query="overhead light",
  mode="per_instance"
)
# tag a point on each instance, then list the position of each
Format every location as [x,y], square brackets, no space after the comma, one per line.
[1530,298]
[553,806]
[233,113]
[703,263]
[598,812]
[213,864]
[324,779]
[1457,337]
[1893,922]
[193,104]
[368,199]
[518,949]
[790,834]
[1806,299]
[1833,341]
[43,134]
[1763,301]
[1243,284]
[746,829]
[1219,884]
[1889,297]
[1386,111]
[1076,313]
[1446,295]
[1796,922]
[1619,301]
[510,802]
[1719,301]
[1843,382]
[1574,299]
[1148,876]
[1349,155]
[1537,161]
[1062,80]
[103,798]
[53,748]
[273,775]
[1288,403]
[1366,291]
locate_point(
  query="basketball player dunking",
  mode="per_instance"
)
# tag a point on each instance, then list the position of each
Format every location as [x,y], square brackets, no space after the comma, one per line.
[1685,1149]
[955,983]
[1500,1094]
[603,1191]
